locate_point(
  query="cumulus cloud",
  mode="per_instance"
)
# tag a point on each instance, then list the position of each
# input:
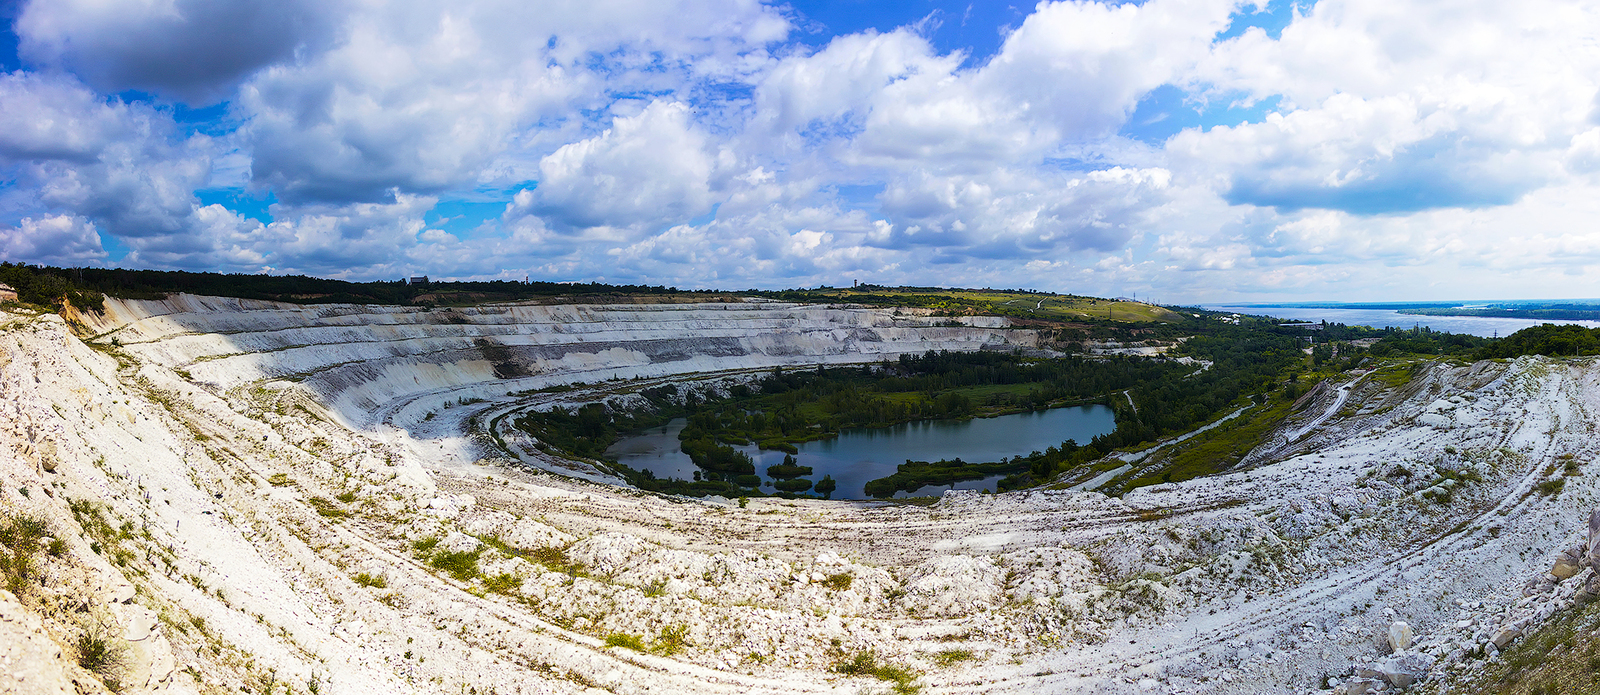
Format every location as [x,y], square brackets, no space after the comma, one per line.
[60,239]
[1009,214]
[649,167]
[697,144]
[190,49]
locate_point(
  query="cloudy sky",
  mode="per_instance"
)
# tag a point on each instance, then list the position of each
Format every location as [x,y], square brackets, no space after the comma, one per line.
[1184,150]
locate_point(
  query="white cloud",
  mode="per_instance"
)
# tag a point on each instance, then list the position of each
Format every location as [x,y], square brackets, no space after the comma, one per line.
[60,239]
[651,167]
[1450,140]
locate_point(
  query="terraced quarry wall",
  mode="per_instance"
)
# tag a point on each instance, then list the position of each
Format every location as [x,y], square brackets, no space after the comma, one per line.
[253,498]
[368,363]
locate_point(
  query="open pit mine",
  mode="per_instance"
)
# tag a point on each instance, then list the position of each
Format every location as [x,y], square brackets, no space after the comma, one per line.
[207,495]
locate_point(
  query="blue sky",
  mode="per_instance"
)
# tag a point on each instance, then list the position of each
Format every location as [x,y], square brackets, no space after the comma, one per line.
[1206,149]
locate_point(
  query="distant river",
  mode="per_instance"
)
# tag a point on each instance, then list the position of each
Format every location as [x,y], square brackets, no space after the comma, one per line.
[1379,318]
[859,455]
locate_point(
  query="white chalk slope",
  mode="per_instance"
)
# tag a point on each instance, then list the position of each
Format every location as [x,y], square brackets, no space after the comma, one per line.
[264,456]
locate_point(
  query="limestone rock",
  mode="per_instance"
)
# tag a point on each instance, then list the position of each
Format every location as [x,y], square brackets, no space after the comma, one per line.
[1593,555]
[1504,636]
[1358,686]
[1399,636]
[1568,564]
[30,662]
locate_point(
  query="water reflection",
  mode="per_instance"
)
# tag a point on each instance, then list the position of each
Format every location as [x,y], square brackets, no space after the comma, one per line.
[859,455]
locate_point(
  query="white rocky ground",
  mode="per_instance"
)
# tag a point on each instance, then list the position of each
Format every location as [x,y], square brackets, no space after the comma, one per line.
[184,455]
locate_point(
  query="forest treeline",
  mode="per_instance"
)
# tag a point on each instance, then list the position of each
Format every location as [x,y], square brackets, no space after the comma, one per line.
[47,286]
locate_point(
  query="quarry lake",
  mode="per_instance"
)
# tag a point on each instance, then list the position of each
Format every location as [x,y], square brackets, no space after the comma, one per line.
[859,455]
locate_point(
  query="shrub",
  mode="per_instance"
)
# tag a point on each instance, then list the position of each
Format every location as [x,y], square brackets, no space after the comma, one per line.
[102,653]
[1550,488]
[620,639]
[839,582]
[327,508]
[950,657]
[672,639]
[368,580]
[796,485]
[827,485]
[20,535]
[503,583]
[866,664]
[346,497]
[461,564]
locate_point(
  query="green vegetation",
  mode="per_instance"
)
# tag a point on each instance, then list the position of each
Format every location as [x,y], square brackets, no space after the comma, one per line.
[792,485]
[826,486]
[1024,305]
[370,581]
[1426,341]
[1561,656]
[84,287]
[21,535]
[788,469]
[49,287]
[839,582]
[673,639]
[951,657]
[461,564]
[503,583]
[626,641]
[867,664]
[327,508]
[1548,339]
[912,475]
[101,651]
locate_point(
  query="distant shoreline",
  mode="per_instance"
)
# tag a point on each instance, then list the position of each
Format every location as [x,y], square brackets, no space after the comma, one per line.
[1551,313]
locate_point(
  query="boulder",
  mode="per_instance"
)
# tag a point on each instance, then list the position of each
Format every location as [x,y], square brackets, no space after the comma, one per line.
[1402,670]
[1504,636]
[1399,636]
[1358,686]
[1593,556]
[1542,584]
[1568,564]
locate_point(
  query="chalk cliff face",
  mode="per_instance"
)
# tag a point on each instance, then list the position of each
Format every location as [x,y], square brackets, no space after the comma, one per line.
[368,362]
[253,496]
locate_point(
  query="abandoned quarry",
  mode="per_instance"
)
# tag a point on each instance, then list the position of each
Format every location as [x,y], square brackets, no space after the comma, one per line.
[214,495]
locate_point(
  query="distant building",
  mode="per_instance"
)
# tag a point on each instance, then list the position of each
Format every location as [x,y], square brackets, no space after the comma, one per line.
[7,294]
[419,279]
[1306,325]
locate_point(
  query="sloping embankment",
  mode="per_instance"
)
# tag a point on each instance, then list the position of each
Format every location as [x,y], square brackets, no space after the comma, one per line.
[226,539]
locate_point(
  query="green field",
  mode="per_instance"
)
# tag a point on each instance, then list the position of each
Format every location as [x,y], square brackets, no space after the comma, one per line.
[1019,305]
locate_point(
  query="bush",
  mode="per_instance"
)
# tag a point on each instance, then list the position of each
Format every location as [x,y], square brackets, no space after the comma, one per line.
[1550,488]
[620,639]
[102,653]
[827,485]
[839,582]
[796,485]
[461,564]
[503,583]
[21,535]
[368,580]
[327,508]
[866,664]
[787,471]
[950,657]
[672,640]
[751,481]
